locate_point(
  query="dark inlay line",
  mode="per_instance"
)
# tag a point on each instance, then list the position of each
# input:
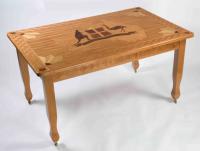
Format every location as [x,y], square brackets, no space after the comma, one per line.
[101,38]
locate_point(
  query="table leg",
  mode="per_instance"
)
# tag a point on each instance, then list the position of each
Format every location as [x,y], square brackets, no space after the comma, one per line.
[135,64]
[178,70]
[25,76]
[51,107]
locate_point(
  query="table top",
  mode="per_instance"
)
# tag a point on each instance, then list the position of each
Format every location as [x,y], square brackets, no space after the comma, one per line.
[75,43]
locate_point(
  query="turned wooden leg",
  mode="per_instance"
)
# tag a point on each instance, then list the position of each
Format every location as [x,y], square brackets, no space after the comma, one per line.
[135,64]
[51,107]
[25,76]
[178,70]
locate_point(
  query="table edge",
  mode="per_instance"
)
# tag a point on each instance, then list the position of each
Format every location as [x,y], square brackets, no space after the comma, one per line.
[41,69]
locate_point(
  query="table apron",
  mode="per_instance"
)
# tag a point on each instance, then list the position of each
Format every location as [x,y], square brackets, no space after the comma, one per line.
[96,65]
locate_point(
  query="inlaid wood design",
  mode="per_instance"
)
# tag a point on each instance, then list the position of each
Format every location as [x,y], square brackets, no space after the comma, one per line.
[100,33]
[30,35]
[136,13]
[27,52]
[59,39]
[65,50]
[48,60]
[168,31]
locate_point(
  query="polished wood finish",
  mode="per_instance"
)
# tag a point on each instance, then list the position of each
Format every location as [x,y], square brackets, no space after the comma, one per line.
[51,106]
[65,50]
[23,66]
[143,31]
[178,70]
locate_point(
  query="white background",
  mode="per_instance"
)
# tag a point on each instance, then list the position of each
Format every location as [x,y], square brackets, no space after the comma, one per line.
[109,110]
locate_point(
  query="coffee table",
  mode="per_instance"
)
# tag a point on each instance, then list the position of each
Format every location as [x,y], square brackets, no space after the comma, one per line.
[65,50]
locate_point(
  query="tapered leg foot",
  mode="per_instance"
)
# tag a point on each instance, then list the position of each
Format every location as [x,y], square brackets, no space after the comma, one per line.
[55,137]
[174,96]
[51,107]
[29,102]
[25,76]
[28,97]
[135,65]
[178,70]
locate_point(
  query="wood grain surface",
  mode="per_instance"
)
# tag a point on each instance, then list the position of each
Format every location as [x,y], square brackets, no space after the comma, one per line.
[113,34]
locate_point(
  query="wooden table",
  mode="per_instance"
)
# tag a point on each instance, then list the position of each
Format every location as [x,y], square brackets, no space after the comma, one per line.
[64,50]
